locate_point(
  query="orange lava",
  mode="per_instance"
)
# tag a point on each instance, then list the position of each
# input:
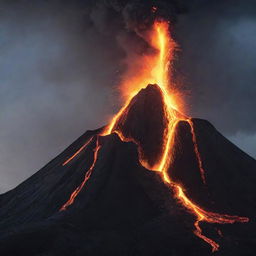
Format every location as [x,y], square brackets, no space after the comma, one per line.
[78,151]
[203,215]
[155,71]
[199,160]
[86,178]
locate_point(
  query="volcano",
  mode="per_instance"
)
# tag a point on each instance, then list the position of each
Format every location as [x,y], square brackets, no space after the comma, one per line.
[98,198]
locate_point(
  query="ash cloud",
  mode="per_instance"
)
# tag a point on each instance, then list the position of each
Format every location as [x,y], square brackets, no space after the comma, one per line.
[61,62]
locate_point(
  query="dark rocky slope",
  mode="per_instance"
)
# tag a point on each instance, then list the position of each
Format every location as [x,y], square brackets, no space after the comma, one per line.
[125,209]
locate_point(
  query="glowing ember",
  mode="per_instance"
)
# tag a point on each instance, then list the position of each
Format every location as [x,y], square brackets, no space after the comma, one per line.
[154,9]
[155,71]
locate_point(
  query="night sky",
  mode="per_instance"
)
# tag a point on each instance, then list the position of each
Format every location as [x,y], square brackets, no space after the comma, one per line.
[60,64]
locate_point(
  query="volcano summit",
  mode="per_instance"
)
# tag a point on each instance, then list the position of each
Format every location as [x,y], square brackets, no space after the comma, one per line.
[96,198]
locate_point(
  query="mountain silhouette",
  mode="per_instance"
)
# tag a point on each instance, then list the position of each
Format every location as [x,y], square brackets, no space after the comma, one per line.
[119,207]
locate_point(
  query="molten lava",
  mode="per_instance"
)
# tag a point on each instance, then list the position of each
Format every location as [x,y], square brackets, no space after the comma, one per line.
[199,160]
[158,74]
[78,151]
[86,177]
[155,70]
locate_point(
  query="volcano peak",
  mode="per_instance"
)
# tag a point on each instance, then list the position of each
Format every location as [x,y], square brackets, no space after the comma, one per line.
[144,121]
[118,206]
[150,89]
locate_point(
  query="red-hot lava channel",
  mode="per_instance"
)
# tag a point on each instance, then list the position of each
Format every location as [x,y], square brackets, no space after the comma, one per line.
[155,71]
[78,151]
[199,160]
[86,177]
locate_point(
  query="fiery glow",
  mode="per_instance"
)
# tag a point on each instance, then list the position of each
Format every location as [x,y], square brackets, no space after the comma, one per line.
[86,178]
[153,68]
[78,151]
[199,160]
[203,215]
[155,71]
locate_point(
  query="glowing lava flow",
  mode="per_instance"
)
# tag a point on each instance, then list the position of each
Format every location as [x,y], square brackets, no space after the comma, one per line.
[199,160]
[157,74]
[203,215]
[78,151]
[86,178]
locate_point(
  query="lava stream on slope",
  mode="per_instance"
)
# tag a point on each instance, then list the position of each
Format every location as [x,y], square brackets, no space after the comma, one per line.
[156,74]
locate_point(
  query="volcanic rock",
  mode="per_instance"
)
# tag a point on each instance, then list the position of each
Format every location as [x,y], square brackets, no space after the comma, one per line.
[125,209]
[144,121]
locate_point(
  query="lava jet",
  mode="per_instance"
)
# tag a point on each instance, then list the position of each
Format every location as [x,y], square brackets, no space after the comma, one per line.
[154,181]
